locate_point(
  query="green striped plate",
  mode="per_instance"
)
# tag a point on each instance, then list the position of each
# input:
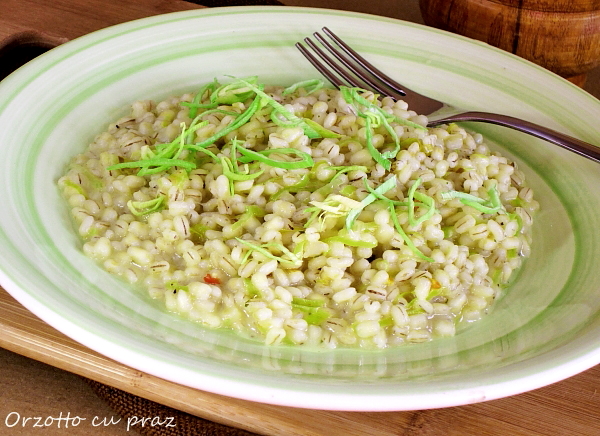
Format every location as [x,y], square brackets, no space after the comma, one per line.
[543,330]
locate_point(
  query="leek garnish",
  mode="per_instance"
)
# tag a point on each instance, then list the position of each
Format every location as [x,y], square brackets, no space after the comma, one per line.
[251,212]
[374,117]
[388,321]
[425,199]
[241,119]
[219,94]
[251,290]
[262,249]
[176,286]
[351,242]
[75,186]
[166,155]
[195,103]
[516,217]
[334,206]
[308,126]
[371,122]
[381,189]
[261,156]
[153,166]
[308,182]
[199,231]
[307,302]
[310,86]
[377,194]
[383,197]
[141,208]
[314,312]
[409,243]
[490,206]
[93,179]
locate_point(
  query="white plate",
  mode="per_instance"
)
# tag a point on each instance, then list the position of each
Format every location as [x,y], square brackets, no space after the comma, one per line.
[544,330]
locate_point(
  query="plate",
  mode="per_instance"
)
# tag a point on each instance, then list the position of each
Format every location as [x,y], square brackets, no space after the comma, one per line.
[543,330]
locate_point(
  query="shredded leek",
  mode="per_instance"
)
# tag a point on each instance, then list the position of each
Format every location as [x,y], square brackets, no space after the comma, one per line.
[425,199]
[293,120]
[261,156]
[262,249]
[141,208]
[314,313]
[381,189]
[310,86]
[490,206]
[409,243]
[251,212]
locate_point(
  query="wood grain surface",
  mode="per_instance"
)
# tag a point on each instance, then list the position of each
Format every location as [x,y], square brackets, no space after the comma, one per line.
[562,36]
[570,407]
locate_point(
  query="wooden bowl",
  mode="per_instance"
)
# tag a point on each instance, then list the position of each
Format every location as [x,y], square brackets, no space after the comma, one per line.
[560,35]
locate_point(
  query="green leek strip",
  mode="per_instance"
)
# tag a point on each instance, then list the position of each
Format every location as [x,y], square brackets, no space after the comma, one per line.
[516,217]
[351,95]
[307,302]
[242,119]
[381,189]
[491,206]
[427,201]
[346,169]
[176,286]
[388,321]
[141,208]
[152,166]
[314,312]
[314,315]
[195,104]
[351,242]
[261,156]
[383,197]
[234,92]
[262,249]
[251,212]
[199,230]
[75,186]
[166,155]
[309,130]
[391,154]
[228,170]
[321,131]
[409,243]
[411,201]
[310,85]
[93,179]
[296,187]
[251,290]
[375,154]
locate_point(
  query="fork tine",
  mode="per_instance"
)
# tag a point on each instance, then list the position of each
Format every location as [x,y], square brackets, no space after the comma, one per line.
[357,67]
[349,80]
[319,66]
[353,69]
[375,72]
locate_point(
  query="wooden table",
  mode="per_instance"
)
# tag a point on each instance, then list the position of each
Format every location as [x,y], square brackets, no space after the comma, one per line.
[570,407]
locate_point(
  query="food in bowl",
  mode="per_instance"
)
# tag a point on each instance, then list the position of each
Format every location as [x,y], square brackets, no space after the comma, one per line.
[302,215]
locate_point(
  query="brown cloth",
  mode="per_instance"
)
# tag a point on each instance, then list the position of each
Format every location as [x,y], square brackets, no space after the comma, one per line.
[167,421]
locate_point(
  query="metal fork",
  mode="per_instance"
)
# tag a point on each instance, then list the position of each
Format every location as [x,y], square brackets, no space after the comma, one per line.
[347,67]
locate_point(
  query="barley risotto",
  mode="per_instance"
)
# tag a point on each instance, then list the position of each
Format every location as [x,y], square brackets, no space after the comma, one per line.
[302,215]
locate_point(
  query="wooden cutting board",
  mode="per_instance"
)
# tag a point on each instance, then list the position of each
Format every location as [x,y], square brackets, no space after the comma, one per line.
[570,407]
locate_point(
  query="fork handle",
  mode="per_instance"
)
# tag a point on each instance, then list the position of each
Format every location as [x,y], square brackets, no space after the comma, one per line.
[573,144]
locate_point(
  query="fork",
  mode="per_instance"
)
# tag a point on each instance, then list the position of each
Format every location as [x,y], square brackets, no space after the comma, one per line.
[347,67]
